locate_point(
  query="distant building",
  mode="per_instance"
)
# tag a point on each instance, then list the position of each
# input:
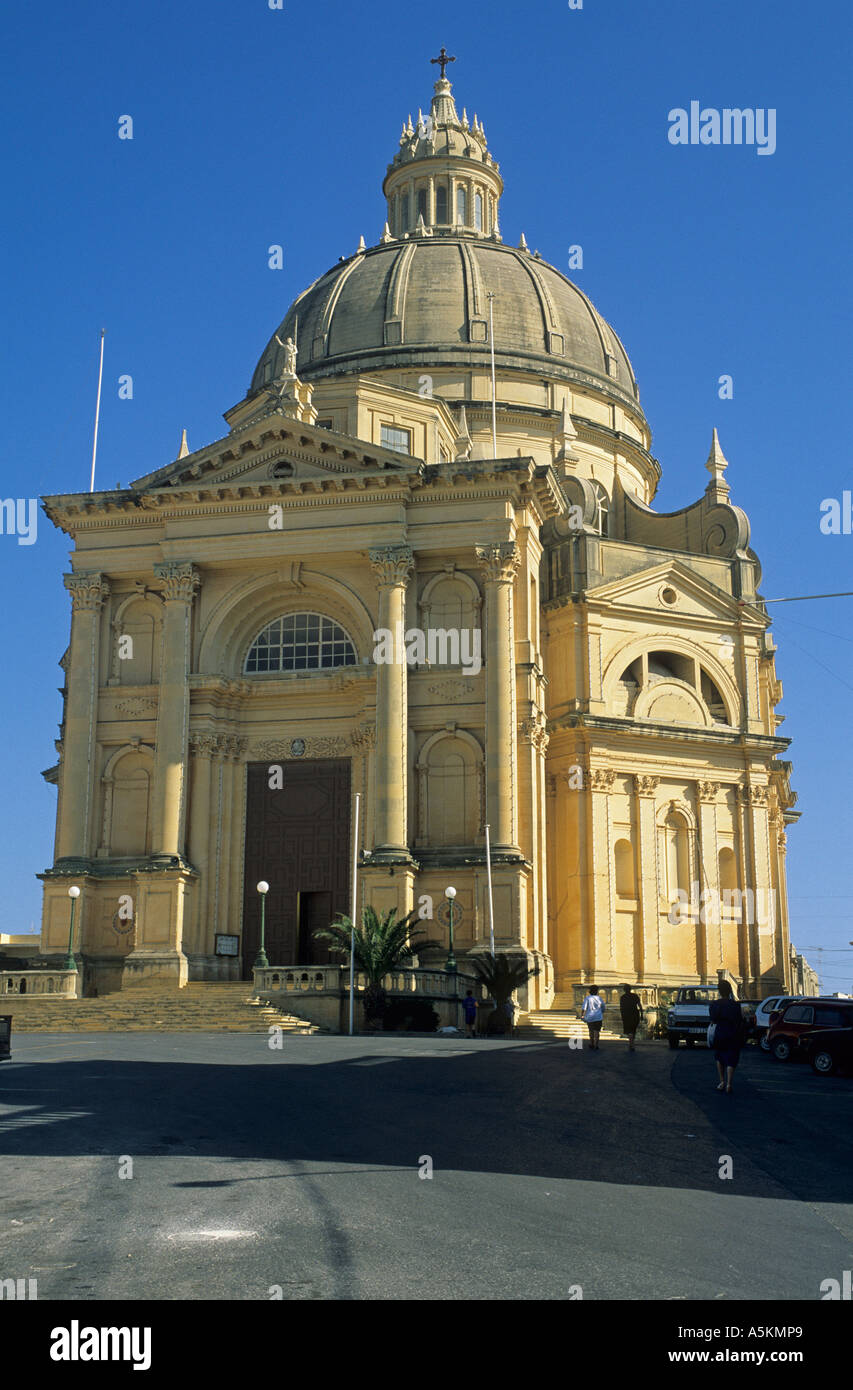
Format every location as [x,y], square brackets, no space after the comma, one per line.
[804,980]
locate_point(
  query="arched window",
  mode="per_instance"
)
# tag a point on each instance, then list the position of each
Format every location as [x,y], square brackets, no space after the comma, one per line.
[461,206]
[441,203]
[300,642]
[404,216]
[422,204]
[478,211]
[602,507]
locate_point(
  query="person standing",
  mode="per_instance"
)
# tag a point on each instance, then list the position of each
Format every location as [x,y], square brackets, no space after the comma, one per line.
[469,1008]
[725,1014]
[592,1013]
[631,1010]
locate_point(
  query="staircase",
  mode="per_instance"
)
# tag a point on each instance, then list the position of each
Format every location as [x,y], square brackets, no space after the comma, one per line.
[558,1022]
[222,1007]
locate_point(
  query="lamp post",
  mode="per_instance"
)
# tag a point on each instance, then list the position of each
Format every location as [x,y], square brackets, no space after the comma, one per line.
[450,963]
[261,962]
[73,893]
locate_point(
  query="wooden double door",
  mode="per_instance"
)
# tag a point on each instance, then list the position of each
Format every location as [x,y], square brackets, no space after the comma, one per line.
[298,840]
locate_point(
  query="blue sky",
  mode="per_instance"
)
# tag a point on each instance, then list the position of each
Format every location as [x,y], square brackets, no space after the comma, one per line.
[255,126]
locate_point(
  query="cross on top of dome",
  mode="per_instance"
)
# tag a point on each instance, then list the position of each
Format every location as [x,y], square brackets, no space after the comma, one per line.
[443,59]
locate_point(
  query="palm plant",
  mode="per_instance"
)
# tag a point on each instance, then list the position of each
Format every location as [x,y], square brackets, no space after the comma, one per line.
[502,975]
[381,944]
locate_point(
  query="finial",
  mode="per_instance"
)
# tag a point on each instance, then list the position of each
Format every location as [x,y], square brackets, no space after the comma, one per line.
[361,246]
[464,119]
[386,233]
[185,448]
[443,59]
[522,245]
[410,129]
[716,464]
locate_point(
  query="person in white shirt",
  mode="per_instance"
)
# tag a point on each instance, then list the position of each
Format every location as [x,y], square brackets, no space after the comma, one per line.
[592,1013]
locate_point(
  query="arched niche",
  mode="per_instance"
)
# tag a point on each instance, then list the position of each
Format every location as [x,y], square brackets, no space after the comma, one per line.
[450,789]
[127,780]
[139,618]
[676,845]
[623,869]
[451,601]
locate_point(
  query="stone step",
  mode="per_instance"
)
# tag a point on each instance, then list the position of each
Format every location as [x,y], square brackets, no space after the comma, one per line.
[145,1009]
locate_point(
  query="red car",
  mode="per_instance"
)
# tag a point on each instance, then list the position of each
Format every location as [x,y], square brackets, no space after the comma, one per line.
[788,1027]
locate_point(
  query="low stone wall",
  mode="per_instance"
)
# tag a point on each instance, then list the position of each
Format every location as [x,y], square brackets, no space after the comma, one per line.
[321,993]
[38,983]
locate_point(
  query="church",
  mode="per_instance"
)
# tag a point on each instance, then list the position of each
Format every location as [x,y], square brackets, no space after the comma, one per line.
[422,564]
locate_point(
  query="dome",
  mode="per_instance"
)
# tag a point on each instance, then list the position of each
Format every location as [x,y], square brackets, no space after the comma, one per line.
[423,301]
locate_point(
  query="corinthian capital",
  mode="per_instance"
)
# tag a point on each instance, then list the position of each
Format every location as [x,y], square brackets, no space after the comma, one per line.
[645,783]
[707,791]
[392,564]
[180,581]
[88,591]
[499,561]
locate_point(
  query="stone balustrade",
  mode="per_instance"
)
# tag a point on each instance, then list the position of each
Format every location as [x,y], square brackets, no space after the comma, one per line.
[328,979]
[39,983]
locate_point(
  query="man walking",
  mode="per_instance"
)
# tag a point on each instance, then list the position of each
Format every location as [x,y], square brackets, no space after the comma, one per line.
[469,1007]
[632,1011]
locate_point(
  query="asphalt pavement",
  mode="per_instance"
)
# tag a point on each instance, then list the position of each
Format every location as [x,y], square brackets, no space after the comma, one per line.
[302,1173]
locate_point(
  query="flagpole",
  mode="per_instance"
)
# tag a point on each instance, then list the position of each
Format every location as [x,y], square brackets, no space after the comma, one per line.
[490,298]
[97,412]
[352,914]
[491,901]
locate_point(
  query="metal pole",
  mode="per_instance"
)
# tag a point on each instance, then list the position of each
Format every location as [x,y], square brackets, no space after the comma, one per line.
[352,915]
[494,389]
[491,900]
[97,413]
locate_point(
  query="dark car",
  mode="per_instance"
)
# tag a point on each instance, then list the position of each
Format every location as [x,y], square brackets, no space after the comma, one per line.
[786,1031]
[830,1050]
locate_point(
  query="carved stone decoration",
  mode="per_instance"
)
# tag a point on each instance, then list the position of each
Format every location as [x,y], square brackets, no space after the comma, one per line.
[707,791]
[533,730]
[601,779]
[88,591]
[279,750]
[754,795]
[392,564]
[180,581]
[451,690]
[136,706]
[364,736]
[646,784]
[499,561]
[206,745]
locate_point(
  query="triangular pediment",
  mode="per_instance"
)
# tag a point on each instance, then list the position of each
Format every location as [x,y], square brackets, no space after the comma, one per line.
[276,447]
[674,589]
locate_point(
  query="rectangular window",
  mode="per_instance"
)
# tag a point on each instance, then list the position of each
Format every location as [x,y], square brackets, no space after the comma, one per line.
[324,424]
[398,439]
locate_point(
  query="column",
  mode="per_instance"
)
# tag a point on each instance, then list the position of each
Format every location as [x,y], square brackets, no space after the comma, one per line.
[763,904]
[647,949]
[88,591]
[499,563]
[392,565]
[599,937]
[203,747]
[710,908]
[180,582]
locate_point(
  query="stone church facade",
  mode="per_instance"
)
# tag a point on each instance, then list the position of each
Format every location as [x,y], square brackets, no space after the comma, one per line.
[224,698]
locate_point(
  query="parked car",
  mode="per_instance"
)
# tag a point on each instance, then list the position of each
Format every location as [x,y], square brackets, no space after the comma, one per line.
[830,1050]
[748,1008]
[786,1032]
[687,1016]
[774,1004]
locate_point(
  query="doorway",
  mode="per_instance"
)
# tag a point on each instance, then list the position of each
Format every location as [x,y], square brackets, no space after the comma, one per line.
[298,839]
